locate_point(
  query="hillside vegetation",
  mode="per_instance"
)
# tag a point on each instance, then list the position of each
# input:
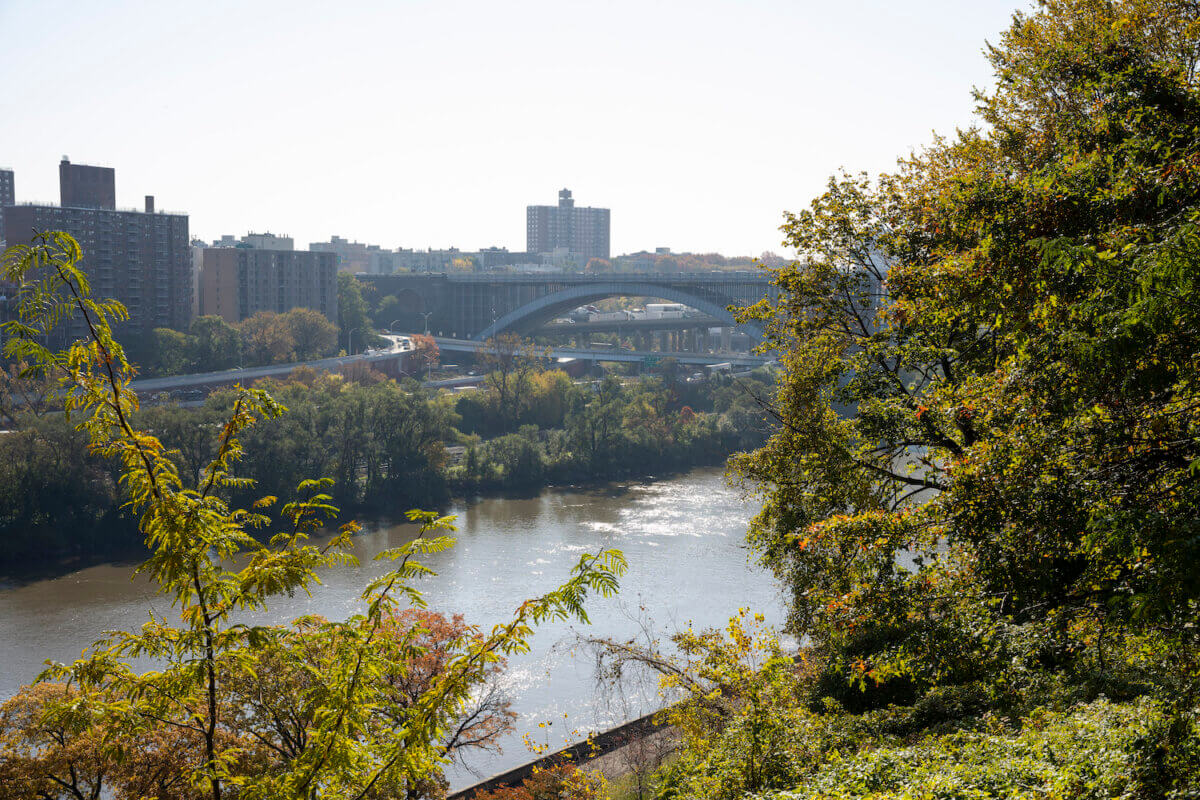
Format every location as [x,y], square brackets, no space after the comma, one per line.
[983,497]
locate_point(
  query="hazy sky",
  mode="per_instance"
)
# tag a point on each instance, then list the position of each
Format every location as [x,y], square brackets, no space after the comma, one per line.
[421,124]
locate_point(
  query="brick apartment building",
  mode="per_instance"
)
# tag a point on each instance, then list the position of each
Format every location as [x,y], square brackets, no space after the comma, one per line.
[238,282]
[140,258]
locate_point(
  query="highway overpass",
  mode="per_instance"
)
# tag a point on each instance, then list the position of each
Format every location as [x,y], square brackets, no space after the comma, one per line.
[628,325]
[392,363]
[470,346]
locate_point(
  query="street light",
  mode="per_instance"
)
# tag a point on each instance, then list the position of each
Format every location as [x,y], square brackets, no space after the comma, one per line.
[349,335]
[426,314]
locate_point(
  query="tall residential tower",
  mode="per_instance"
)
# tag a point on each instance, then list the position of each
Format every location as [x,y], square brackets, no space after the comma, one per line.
[140,258]
[584,232]
[7,196]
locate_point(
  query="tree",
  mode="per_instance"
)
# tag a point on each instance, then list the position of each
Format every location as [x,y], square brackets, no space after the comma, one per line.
[389,310]
[216,344]
[353,323]
[986,467]
[267,338]
[186,431]
[314,336]
[53,747]
[20,396]
[425,352]
[670,369]
[562,781]
[595,424]
[278,700]
[509,362]
[737,708]
[205,559]
[170,352]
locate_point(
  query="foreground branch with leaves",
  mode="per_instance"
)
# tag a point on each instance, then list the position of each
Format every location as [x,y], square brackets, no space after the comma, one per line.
[194,714]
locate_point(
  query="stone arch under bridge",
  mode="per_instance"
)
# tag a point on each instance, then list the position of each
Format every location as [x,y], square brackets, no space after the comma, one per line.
[525,319]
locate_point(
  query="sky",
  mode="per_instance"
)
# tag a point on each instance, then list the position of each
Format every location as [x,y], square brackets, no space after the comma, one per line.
[434,124]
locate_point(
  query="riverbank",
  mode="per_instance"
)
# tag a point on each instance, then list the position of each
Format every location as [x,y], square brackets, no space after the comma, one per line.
[386,449]
[117,541]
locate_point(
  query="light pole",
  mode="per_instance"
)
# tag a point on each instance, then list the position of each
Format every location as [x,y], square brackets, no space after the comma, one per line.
[426,314]
[349,335]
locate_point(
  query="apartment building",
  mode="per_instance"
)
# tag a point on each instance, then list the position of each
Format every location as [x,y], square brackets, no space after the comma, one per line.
[583,231]
[139,257]
[8,196]
[238,282]
[355,257]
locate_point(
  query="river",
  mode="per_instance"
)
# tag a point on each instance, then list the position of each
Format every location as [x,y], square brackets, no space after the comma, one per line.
[682,536]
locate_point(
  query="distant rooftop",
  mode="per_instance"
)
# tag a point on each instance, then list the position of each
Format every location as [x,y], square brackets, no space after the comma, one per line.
[66,160]
[157,211]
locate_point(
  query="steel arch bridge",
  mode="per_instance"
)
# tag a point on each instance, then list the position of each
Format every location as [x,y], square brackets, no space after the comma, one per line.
[478,306]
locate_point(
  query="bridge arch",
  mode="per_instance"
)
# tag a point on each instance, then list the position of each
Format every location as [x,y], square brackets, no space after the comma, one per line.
[540,311]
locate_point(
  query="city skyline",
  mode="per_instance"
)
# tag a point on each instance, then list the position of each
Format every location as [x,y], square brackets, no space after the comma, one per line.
[412,125]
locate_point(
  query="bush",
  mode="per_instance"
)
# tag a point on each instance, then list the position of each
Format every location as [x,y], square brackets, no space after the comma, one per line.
[1091,751]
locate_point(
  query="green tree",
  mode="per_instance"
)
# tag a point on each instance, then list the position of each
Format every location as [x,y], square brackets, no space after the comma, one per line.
[353,322]
[206,560]
[595,424]
[510,363]
[986,466]
[739,709]
[170,352]
[216,344]
[314,336]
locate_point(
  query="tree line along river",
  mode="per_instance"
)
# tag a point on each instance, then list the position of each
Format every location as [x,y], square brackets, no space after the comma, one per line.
[683,537]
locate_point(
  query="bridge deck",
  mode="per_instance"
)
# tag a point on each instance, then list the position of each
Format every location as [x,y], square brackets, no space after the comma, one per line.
[628,325]
[587,354]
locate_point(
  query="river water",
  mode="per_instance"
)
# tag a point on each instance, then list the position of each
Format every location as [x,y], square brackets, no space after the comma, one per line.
[683,537]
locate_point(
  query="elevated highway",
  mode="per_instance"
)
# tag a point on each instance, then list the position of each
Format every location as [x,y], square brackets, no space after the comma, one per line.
[392,363]
[627,325]
[473,347]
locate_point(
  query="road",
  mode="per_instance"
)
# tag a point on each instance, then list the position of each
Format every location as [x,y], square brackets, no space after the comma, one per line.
[642,356]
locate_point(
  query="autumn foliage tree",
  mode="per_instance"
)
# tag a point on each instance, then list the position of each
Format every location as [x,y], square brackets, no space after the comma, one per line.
[425,352]
[562,781]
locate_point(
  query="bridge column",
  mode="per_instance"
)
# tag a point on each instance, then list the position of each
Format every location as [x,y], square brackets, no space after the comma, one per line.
[726,339]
